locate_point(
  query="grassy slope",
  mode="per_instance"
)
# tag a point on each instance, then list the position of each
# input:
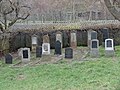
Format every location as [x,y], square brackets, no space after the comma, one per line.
[100,74]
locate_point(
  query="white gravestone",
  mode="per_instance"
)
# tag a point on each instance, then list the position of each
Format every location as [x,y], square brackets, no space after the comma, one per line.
[109,47]
[45,49]
[94,48]
[20,53]
[25,55]
[34,40]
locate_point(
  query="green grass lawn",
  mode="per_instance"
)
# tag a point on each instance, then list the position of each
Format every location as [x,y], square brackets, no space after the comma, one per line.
[99,74]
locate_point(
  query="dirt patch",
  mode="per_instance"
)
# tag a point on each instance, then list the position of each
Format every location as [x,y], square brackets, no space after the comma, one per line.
[78,54]
[21,77]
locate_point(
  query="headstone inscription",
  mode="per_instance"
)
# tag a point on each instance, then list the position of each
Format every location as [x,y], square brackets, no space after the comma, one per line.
[109,47]
[38,51]
[25,55]
[94,51]
[8,58]
[58,50]
[34,43]
[45,49]
[68,53]
[73,39]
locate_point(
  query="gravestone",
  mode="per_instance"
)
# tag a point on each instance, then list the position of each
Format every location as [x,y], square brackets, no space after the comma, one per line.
[109,47]
[25,55]
[68,53]
[34,43]
[45,49]
[59,37]
[105,32]
[58,48]
[94,50]
[46,39]
[73,40]
[38,51]
[8,58]
[20,53]
[91,35]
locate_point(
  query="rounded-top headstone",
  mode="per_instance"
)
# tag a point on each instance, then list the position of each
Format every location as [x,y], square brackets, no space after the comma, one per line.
[46,39]
[34,39]
[58,47]
[8,58]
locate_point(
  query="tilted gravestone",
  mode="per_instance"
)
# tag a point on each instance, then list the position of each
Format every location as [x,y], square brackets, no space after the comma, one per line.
[68,53]
[109,47]
[8,58]
[34,43]
[58,50]
[38,51]
[25,55]
[94,50]
[20,53]
[59,37]
[73,40]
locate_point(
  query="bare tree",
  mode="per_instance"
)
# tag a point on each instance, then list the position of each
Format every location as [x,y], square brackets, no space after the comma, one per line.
[113,6]
[10,12]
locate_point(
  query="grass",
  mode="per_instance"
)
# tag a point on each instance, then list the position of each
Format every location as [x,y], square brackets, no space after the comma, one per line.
[100,74]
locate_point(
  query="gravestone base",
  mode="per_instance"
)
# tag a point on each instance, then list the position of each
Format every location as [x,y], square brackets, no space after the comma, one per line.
[109,53]
[25,60]
[94,53]
[45,58]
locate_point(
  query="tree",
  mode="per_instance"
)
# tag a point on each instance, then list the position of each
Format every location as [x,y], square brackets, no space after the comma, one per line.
[114,8]
[10,12]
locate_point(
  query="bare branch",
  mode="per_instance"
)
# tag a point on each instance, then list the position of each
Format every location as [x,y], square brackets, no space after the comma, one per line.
[1,21]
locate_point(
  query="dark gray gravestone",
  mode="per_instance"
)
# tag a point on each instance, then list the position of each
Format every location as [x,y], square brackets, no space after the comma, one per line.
[58,47]
[69,53]
[109,43]
[94,44]
[38,51]
[105,32]
[25,53]
[93,35]
[8,59]
[94,51]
